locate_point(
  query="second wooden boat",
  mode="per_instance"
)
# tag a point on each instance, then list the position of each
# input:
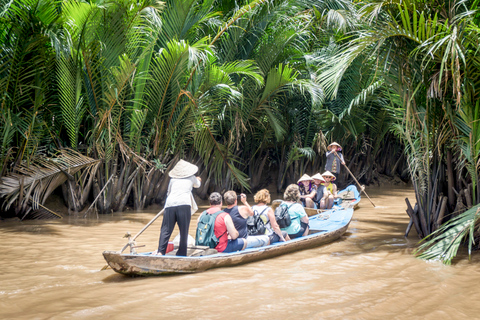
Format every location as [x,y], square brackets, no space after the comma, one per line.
[346,198]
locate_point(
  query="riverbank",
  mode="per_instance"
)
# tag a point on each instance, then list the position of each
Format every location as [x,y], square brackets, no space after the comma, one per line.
[56,205]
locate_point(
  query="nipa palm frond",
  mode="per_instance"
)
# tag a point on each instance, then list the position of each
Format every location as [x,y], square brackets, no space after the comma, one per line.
[444,243]
[34,182]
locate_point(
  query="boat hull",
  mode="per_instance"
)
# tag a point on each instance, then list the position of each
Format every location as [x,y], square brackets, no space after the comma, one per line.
[312,212]
[324,230]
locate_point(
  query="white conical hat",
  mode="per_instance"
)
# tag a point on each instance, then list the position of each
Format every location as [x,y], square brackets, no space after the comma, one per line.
[318,176]
[329,174]
[183,169]
[333,144]
[305,177]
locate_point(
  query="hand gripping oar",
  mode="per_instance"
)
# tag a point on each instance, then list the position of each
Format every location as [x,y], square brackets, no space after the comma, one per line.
[362,188]
[131,242]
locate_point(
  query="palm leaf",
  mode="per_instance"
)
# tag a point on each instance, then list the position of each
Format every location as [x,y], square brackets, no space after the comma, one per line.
[71,102]
[33,183]
[444,243]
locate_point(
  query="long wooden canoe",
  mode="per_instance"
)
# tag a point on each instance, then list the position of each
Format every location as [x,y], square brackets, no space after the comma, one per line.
[325,227]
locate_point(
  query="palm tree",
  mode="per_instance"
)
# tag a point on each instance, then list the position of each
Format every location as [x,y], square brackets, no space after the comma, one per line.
[27,62]
[424,54]
[99,76]
[276,39]
[139,85]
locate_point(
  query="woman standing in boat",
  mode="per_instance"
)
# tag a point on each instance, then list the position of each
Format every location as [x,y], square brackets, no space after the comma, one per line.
[179,206]
[334,159]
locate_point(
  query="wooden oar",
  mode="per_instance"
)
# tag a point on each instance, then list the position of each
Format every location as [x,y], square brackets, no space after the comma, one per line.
[143,229]
[131,242]
[359,185]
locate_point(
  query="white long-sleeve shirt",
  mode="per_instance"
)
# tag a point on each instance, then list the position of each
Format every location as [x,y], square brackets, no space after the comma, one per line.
[180,192]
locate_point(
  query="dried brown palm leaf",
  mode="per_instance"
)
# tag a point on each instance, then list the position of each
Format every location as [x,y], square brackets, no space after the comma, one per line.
[33,182]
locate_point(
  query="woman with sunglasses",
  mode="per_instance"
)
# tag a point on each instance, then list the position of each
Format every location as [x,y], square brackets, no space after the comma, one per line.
[331,187]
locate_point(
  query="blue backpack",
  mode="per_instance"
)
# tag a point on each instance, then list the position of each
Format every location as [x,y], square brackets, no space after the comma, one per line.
[205,235]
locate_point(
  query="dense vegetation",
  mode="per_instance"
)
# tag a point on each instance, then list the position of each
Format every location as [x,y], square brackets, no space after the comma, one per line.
[102,97]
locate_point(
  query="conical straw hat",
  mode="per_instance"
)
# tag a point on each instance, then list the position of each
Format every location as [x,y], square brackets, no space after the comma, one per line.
[333,144]
[329,174]
[305,177]
[183,169]
[318,176]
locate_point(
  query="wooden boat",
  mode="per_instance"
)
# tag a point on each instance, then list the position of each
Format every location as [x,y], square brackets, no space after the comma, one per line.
[347,198]
[325,227]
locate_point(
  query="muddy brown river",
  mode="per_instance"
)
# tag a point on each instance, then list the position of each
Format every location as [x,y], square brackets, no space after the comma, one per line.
[51,270]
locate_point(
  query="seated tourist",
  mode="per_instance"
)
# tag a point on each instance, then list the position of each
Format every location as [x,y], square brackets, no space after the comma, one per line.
[307,193]
[298,216]
[321,193]
[239,216]
[262,199]
[331,187]
[224,229]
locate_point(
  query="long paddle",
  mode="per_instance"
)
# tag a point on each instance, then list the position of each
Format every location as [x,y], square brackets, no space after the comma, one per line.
[361,187]
[131,242]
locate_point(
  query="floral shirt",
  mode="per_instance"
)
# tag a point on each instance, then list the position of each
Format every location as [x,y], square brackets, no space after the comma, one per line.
[333,164]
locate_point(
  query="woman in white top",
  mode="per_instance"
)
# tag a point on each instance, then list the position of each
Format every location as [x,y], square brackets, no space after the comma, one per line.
[179,206]
[262,198]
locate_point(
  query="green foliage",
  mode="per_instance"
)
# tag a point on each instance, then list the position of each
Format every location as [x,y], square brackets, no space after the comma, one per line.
[444,243]
[410,67]
[236,84]
[468,124]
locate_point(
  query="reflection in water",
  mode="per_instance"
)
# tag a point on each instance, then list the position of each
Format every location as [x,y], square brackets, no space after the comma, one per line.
[51,269]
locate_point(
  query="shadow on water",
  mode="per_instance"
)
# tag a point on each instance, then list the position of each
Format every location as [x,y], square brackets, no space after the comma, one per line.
[121,278]
[391,225]
[32,227]
[377,244]
[50,226]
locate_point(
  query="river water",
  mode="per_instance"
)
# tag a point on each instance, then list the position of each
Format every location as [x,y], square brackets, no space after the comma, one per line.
[51,270]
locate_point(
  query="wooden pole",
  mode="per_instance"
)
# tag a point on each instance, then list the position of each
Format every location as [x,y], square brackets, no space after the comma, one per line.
[362,189]
[441,214]
[131,242]
[409,227]
[148,224]
[413,214]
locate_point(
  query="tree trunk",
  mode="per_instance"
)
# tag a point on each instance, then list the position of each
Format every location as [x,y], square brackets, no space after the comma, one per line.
[450,180]
[443,208]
